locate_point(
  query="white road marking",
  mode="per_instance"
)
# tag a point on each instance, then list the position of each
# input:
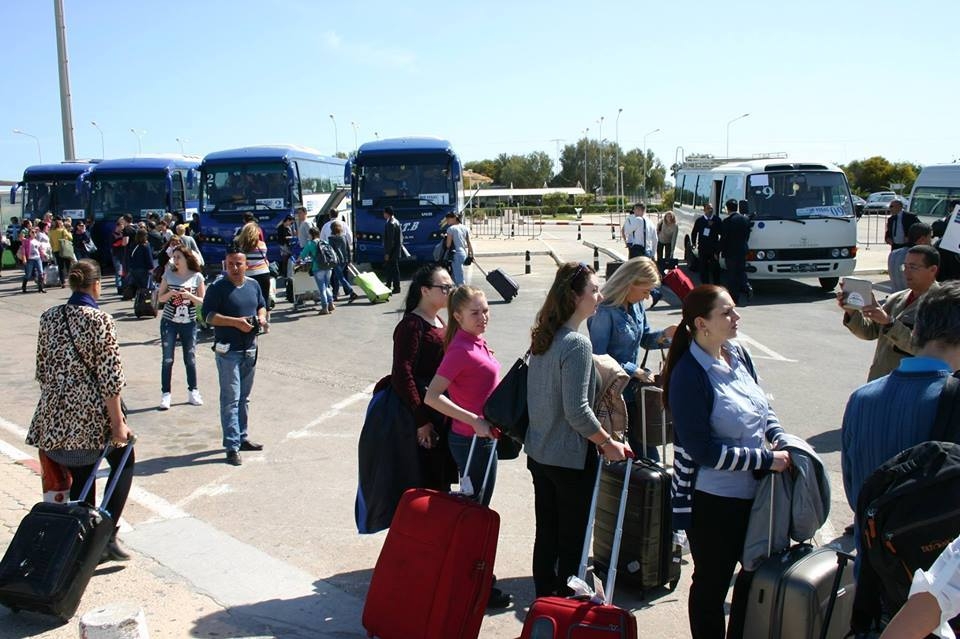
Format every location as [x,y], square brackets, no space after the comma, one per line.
[333,411]
[770,353]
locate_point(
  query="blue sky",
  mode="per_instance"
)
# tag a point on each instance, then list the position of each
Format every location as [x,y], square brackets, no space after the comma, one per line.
[836,81]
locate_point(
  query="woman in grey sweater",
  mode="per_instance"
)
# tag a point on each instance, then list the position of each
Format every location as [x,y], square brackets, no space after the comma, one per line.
[561,387]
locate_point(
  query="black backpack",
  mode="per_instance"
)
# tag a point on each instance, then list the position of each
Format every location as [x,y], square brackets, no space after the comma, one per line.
[326,256]
[909,511]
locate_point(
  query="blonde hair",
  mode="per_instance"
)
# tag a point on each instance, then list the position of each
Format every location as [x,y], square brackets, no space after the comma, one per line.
[459,298]
[249,237]
[639,271]
[181,229]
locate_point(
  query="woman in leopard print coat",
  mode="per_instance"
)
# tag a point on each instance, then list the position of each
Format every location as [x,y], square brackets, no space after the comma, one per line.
[80,376]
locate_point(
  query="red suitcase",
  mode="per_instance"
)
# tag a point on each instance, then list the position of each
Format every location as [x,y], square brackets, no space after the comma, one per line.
[576,618]
[678,282]
[435,570]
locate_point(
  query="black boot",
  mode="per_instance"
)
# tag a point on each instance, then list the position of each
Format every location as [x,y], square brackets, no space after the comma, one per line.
[40,286]
[113,551]
[23,287]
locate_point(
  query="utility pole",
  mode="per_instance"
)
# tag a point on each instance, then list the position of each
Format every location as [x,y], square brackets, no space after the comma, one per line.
[66,113]
[557,141]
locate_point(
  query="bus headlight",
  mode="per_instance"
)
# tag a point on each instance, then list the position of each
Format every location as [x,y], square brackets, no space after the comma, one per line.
[771,255]
[761,255]
[845,252]
[835,253]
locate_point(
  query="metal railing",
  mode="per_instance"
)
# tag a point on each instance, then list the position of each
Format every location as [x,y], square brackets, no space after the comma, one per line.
[515,221]
[871,230]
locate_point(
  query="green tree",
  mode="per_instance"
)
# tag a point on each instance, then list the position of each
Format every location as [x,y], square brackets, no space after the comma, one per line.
[529,171]
[483,167]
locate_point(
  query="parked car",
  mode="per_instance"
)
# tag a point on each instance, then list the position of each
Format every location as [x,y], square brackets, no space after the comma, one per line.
[858,204]
[879,203]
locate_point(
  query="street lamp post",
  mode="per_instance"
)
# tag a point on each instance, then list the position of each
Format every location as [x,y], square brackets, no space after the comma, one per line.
[354,125]
[739,117]
[35,139]
[103,154]
[336,136]
[180,141]
[643,178]
[586,140]
[139,136]
[616,138]
[600,138]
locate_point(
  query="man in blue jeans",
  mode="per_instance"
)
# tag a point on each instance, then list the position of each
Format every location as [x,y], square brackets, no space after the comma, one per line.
[235,307]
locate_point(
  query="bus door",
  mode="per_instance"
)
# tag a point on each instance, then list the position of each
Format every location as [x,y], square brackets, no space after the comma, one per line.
[716,189]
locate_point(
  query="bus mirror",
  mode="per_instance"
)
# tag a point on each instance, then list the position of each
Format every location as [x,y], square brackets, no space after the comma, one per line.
[191,178]
[13,194]
[743,207]
[347,171]
[455,173]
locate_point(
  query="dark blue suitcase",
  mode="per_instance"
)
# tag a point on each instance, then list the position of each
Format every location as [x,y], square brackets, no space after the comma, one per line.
[55,552]
[505,285]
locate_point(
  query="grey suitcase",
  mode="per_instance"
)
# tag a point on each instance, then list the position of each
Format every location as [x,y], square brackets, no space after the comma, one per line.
[791,593]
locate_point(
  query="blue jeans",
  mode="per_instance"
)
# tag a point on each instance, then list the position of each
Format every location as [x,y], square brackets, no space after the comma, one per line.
[340,279]
[322,278]
[235,369]
[33,270]
[169,332]
[460,449]
[459,256]
[118,270]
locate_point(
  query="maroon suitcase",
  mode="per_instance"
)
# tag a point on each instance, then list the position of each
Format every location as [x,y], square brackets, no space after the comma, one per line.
[678,282]
[435,570]
[577,618]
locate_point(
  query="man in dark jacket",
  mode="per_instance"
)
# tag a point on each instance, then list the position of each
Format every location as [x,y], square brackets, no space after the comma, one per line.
[392,243]
[733,246]
[706,239]
[898,225]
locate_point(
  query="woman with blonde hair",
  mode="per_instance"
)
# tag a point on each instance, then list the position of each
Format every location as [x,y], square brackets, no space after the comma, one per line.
[667,237]
[258,267]
[620,329]
[564,433]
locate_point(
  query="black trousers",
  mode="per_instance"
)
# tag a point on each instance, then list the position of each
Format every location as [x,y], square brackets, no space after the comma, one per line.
[119,497]
[709,269]
[737,281]
[716,544]
[391,267]
[562,506]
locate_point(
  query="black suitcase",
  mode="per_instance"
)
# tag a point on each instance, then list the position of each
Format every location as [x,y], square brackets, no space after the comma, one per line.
[612,267]
[503,283]
[55,551]
[143,304]
[648,557]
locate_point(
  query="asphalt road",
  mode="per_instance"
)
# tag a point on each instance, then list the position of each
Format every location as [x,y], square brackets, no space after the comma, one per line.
[251,537]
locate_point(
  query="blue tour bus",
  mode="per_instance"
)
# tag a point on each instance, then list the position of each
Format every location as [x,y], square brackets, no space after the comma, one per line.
[420,177]
[58,188]
[140,186]
[268,181]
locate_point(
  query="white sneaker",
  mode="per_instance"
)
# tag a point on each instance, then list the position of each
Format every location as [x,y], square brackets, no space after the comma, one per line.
[193,396]
[165,401]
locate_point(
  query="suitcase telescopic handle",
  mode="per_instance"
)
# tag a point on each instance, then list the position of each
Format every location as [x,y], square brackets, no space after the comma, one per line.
[111,485]
[486,473]
[618,530]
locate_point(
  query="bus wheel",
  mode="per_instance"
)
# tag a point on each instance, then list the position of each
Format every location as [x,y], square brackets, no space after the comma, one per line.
[829,283]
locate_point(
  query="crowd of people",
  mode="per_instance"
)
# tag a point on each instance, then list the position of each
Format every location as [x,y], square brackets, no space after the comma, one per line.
[725,430]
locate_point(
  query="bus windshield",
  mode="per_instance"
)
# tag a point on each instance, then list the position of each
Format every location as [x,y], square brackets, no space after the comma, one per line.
[798,195]
[231,188]
[139,196]
[934,201]
[410,184]
[57,197]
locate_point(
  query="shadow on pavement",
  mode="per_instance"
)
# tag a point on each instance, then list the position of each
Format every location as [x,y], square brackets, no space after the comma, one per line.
[160,465]
[826,442]
[299,617]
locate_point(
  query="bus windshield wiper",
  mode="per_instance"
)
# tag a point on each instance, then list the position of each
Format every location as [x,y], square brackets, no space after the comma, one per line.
[829,217]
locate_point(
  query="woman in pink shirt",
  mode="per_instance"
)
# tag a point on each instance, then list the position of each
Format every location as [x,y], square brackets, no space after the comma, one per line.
[465,379]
